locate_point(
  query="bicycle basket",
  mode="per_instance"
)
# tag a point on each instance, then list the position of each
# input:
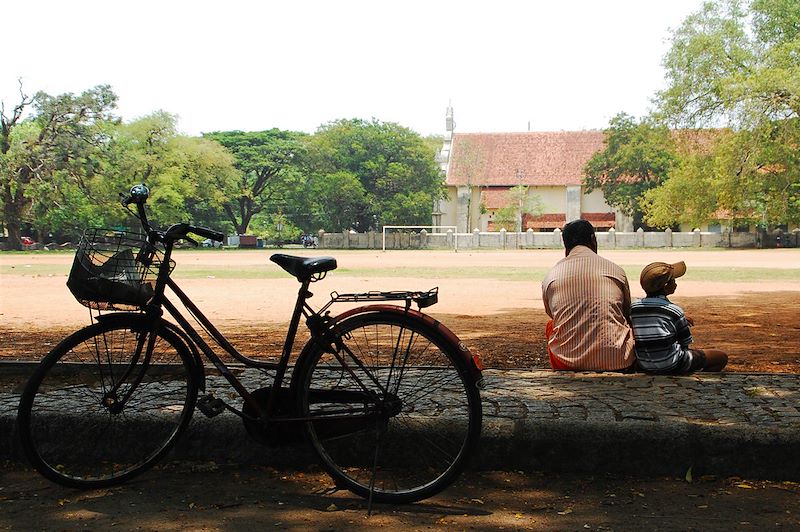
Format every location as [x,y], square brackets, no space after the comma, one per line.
[114,270]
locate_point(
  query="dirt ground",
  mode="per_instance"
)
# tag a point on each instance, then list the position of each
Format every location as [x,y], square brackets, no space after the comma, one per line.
[209,496]
[501,320]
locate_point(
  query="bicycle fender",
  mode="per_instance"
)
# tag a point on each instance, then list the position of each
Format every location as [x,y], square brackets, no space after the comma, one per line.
[473,361]
[198,367]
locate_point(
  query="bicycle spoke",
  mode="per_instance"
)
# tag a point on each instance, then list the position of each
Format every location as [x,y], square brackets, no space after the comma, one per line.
[93,416]
[428,416]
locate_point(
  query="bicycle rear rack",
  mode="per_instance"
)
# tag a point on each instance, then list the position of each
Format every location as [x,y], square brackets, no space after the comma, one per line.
[422,299]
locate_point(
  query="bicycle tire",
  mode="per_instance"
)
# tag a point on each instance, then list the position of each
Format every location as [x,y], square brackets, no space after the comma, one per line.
[405,440]
[75,424]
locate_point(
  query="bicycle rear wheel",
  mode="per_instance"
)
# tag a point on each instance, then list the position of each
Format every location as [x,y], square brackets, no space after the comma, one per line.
[95,414]
[394,409]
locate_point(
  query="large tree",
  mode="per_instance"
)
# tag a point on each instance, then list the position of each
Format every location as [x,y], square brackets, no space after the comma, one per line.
[386,174]
[187,175]
[268,165]
[736,64]
[637,157]
[60,142]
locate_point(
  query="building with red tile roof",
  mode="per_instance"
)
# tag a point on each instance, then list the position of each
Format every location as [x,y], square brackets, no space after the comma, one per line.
[481,168]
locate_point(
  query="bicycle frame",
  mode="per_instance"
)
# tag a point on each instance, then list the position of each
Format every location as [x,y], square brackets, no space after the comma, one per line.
[317,322]
[280,367]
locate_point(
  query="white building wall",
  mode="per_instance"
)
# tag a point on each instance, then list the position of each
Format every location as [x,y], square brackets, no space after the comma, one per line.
[554,199]
[594,202]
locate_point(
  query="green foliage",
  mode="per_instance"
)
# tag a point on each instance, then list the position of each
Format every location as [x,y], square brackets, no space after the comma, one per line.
[63,168]
[688,196]
[47,157]
[395,168]
[268,164]
[185,174]
[735,64]
[275,229]
[336,200]
[637,157]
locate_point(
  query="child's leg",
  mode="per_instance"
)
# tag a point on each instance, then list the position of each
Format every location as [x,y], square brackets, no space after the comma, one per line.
[716,360]
[711,360]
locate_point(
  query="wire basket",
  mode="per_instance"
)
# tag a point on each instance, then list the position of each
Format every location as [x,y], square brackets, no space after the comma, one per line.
[114,270]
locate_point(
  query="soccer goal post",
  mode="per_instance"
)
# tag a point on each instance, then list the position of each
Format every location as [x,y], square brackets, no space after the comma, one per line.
[432,228]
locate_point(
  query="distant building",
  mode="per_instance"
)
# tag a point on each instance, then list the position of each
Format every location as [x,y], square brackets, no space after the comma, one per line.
[481,168]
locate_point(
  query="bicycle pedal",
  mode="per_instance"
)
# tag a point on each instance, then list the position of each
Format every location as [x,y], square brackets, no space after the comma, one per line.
[210,405]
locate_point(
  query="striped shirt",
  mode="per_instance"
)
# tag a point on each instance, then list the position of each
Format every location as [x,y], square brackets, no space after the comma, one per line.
[662,334]
[589,300]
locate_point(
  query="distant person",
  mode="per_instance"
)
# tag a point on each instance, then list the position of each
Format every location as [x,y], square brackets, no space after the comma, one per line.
[588,300]
[662,330]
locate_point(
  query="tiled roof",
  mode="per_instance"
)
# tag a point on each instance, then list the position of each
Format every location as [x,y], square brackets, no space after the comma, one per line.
[533,159]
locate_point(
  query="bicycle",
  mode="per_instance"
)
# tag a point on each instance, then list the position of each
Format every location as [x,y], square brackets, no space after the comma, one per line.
[387,397]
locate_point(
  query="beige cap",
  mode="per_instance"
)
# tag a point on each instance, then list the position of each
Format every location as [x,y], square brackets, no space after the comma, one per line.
[656,275]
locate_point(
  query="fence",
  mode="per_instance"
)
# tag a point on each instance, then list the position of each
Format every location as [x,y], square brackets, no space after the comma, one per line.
[551,240]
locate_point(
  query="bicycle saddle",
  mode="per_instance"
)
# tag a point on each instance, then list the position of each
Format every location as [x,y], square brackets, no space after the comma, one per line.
[304,267]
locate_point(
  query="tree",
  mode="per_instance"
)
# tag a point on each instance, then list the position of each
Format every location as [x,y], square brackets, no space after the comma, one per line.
[637,157]
[268,165]
[337,199]
[60,144]
[520,202]
[394,166]
[737,64]
[187,175]
[471,164]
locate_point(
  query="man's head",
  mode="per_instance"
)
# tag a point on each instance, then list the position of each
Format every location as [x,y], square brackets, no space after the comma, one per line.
[579,233]
[658,278]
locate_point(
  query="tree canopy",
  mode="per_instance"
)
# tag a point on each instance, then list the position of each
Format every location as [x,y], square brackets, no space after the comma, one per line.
[47,157]
[65,159]
[732,105]
[364,174]
[267,164]
[637,157]
[736,65]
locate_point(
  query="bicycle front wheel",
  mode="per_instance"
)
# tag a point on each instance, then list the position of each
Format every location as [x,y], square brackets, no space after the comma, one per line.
[98,410]
[393,410]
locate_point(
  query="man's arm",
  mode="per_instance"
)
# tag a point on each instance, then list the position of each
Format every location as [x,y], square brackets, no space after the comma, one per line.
[626,301]
[545,299]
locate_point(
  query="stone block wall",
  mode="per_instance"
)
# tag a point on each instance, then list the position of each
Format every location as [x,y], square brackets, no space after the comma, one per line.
[535,240]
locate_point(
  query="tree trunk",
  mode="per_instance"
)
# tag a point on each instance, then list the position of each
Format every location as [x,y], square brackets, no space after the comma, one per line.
[11,215]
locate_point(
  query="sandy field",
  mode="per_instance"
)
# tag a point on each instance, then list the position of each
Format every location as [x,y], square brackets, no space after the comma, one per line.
[501,319]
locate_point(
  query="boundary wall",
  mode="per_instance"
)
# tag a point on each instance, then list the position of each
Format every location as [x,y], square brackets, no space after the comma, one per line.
[552,240]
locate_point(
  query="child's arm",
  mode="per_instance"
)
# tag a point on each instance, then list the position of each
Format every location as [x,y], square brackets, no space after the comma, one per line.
[682,332]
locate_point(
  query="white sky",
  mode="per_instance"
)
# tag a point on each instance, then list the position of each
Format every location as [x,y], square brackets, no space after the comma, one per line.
[297,64]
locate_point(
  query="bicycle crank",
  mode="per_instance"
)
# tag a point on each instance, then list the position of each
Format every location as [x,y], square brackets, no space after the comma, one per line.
[275,431]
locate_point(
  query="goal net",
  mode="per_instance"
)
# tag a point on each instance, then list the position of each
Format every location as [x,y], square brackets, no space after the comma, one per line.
[439,235]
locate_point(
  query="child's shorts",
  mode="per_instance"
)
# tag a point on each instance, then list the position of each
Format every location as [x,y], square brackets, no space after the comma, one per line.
[693,360]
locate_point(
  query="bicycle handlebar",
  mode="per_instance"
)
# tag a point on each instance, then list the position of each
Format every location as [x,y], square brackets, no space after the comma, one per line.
[181,230]
[139,194]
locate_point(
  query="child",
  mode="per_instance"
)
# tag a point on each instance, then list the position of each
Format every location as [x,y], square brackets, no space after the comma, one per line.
[662,330]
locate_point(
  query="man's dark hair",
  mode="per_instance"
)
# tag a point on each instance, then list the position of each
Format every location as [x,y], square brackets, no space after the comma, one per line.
[578,233]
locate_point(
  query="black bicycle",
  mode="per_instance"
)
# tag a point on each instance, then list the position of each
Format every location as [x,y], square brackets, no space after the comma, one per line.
[387,396]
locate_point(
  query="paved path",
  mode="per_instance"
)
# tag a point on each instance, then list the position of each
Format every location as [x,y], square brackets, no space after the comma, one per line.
[724,424]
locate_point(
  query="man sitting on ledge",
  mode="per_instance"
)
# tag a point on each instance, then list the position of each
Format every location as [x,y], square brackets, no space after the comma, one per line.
[588,300]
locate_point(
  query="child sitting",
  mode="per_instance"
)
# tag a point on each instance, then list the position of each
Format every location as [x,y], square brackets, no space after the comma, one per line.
[661,329]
